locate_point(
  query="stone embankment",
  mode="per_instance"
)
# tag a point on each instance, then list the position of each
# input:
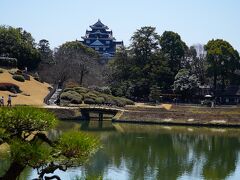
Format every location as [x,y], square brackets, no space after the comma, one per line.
[164,114]
[182,115]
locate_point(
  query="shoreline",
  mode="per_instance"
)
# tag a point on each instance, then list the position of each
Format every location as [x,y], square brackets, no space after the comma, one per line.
[176,115]
[182,116]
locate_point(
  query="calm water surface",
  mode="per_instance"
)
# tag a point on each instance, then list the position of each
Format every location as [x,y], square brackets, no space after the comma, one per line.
[133,151]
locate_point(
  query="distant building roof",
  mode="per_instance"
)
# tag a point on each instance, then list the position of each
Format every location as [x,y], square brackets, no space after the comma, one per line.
[99,25]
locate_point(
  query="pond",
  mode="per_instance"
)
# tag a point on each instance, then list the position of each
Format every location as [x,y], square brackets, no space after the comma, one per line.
[133,151]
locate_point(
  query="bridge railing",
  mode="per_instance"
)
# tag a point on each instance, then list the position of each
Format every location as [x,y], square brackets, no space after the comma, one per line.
[52,91]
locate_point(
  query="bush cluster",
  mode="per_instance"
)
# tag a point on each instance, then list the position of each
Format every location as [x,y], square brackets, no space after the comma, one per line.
[8,62]
[1,70]
[78,95]
[10,87]
[104,89]
[18,78]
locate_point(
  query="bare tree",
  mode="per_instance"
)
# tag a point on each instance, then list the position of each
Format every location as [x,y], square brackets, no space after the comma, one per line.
[74,62]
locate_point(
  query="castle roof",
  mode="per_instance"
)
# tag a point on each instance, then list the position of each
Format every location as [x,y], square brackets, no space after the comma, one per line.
[97,43]
[99,25]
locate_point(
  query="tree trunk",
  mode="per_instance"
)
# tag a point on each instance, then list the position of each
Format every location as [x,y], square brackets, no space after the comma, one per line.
[13,172]
[81,77]
[214,82]
[223,83]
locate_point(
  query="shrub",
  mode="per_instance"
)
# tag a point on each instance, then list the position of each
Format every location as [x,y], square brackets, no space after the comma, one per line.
[72,96]
[127,101]
[10,87]
[12,71]
[8,62]
[99,100]
[67,89]
[77,99]
[105,90]
[71,84]
[78,94]
[81,90]
[90,95]
[26,77]
[119,102]
[18,78]
[1,70]
[18,72]
[66,96]
[89,101]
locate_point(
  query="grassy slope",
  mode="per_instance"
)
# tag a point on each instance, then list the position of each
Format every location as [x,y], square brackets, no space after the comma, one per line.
[38,91]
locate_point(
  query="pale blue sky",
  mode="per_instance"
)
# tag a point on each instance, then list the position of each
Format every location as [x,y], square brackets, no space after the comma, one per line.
[197,21]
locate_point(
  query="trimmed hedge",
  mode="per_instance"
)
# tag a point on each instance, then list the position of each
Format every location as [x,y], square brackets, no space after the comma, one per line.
[10,87]
[72,97]
[8,62]
[18,78]
[77,95]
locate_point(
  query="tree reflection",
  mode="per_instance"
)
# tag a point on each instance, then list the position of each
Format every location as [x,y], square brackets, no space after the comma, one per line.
[167,155]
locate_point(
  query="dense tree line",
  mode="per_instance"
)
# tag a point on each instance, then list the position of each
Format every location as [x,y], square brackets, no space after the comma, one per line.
[165,64]
[18,43]
[70,61]
[152,63]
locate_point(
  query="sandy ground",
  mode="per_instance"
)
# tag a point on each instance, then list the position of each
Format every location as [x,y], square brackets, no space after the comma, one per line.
[37,90]
[165,106]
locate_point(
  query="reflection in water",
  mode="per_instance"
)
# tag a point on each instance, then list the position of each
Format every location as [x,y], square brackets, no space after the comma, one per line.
[159,152]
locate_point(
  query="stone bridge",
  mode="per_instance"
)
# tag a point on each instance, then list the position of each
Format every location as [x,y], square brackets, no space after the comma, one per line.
[100,110]
[86,111]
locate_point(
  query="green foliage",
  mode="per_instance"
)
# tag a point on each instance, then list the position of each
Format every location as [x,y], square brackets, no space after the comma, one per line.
[77,145]
[70,149]
[1,70]
[26,119]
[33,154]
[77,95]
[3,135]
[89,101]
[72,96]
[18,78]
[99,100]
[155,94]
[19,44]
[8,62]
[89,177]
[105,90]
[223,61]
[134,72]
[173,47]
[45,51]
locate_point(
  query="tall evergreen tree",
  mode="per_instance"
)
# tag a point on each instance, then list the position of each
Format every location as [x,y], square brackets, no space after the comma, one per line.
[223,60]
[173,47]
